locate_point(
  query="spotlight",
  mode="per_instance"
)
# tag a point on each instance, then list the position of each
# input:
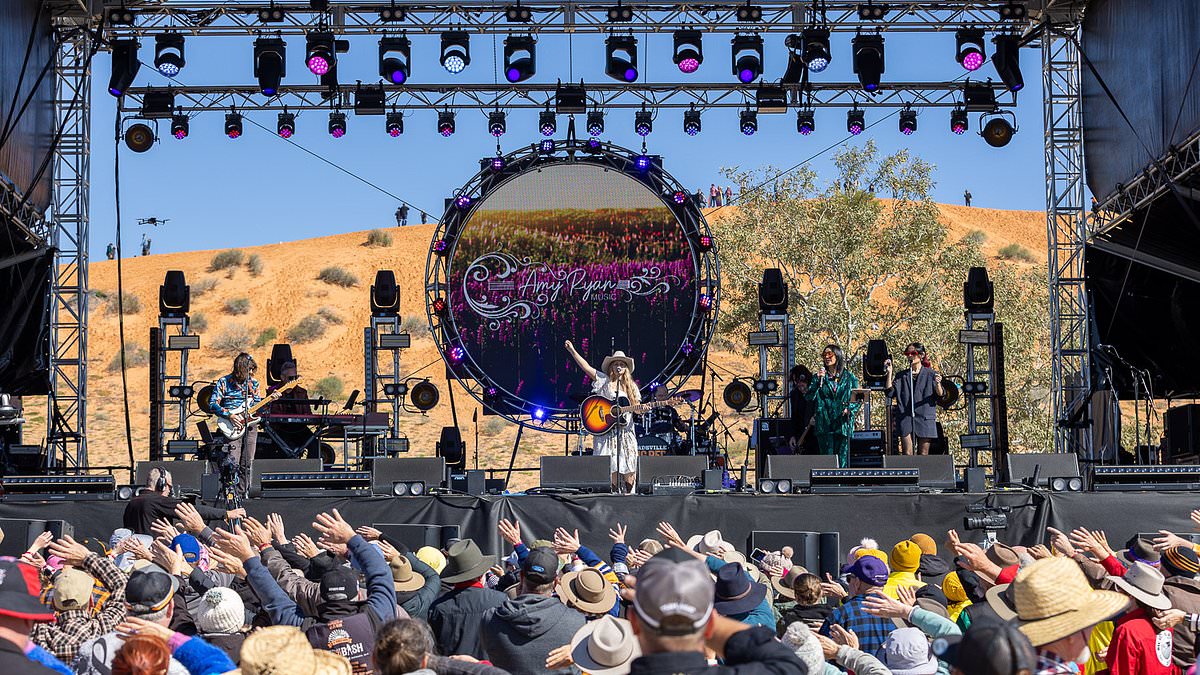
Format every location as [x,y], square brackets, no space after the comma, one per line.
[855,121]
[872,12]
[395,59]
[689,52]
[868,60]
[497,125]
[998,131]
[796,67]
[546,147]
[286,125]
[747,57]
[748,122]
[439,307]
[642,162]
[958,121]
[233,125]
[456,51]
[445,123]
[518,14]
[337,124]
[498,163]
[394,124]
[766,486]
[806,122]
[1012,10]
[547,124]
[978,294]
[139,137]
[270,15]
[643,123]
[424,395]
[968,48]
[456,354]
[704,243]
[975,388]
[120,16]
[619,13]
[691,122]
[320,53]
[390,14]
[125,493]
[816,48]
[125,66]
[270,64]
[180,391]
[595,123]
[737,395]
[441,247]
[520,57]
[765,386]
[705,302]
[749,13]
[1007,59]
[180,126]
[539,414]
[462,201]
[908,122]
[679,197]
[168,54]
[620,58]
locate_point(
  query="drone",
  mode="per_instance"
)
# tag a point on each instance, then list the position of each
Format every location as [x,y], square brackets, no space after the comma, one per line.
[153,221]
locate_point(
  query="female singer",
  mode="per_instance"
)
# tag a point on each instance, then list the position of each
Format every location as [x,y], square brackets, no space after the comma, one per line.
[833,414]
[613,381]
[801,439]
[915,394]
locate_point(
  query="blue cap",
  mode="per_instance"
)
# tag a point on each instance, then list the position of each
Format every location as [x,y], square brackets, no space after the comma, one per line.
[189,546]
[869,569]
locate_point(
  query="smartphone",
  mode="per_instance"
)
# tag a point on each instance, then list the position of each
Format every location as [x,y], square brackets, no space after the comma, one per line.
[758,555]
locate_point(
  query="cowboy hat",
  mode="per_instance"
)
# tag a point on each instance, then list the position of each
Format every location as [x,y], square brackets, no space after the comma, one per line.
[587,591]
[1054,600]
[783,584]
[1144,584]
[735,592]
[402,575]
[278,649]
[605,646]
[465,562]
[617,356]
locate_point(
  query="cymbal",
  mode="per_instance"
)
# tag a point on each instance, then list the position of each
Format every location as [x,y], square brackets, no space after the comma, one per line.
[690,395]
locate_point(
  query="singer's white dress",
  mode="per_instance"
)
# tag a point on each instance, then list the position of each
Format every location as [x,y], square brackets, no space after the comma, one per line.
[620,443]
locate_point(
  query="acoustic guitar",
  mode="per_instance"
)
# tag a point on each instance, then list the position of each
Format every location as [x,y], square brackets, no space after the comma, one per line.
[600,414]
[234,426]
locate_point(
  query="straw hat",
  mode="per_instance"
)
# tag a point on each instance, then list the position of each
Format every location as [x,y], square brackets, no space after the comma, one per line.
[402,575]
[1144,584]
[617,356]
[587,591]
[1053,600]
[276,650]
[605,646]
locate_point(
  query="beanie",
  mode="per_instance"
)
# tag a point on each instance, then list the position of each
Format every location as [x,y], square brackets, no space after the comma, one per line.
[906,556]
[926,542]
[800,639]
[1179,561]
[953,588]
[221,610]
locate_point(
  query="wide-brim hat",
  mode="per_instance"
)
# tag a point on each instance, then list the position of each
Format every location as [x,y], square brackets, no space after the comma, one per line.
[587,591]
[464,561]
[1144,584]
[735,592]
[783,584]
[1000,600]
[606,646]
[1054,600]
[403,576]
[277,649]
[617,356]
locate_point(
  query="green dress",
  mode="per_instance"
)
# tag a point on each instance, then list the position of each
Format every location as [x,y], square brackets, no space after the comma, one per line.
[832,426]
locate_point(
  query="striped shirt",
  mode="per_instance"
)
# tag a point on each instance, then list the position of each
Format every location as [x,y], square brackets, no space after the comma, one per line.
[229,395]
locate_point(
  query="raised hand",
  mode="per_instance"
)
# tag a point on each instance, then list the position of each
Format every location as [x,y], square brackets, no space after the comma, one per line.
[1195,515]
[305,546]
[843,636]
[333,527]
[637,558]
[236,543]
[227,563]
[1060,542]
[72,552]
[829,648]
[617,534]
[275,524]
[336,548]
[1088,540]
[189,517]
[566,542]
[832,589]
[369,533]
[510,531]
[880,604]
[389,552]
[43,540]
[570,347]
[33,559]
[164,529]
[668,533]
[170,559]
[1040,551]
[234,514]
[256,532]
[1167,540]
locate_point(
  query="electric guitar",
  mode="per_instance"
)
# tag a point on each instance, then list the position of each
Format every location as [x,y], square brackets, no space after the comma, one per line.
[600,414]
[240,418]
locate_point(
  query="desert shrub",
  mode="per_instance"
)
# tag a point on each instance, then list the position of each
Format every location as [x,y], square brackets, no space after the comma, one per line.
[237,306]
[135,357]
[976,237]
[329,387]
[307,329]
[414,325]
[99,294]
[338,277]
[378,238]
[198,322]
[330,315]
[265,337]
[131,304]
[235,338]
[254,264]
[493,426]
[226,260]
[202,286]
[1016,251]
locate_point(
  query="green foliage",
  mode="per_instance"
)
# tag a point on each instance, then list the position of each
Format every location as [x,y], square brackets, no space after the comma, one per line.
[265,337]
[338,277]
[130,304]
[198,322]
[235,338]
[226,260]
[254,264]
[135,357]
[237,306]
[416,326]
[307,329]
[202,286]
[976,237]
[329,387]
[330,315]
[494,426]
[378,238]
[1015,251]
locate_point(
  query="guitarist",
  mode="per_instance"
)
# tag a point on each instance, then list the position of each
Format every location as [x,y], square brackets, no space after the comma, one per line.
[615,382]
[236,390]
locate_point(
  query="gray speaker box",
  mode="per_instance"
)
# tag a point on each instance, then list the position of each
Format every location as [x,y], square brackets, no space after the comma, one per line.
[937,471]
[388,470]
[798,468]
[186,475]
[262,466]
[589,473]
[1047,465]
[650,467]
[20,534]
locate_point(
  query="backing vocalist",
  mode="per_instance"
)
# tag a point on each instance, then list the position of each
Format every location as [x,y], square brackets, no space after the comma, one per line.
[914,394]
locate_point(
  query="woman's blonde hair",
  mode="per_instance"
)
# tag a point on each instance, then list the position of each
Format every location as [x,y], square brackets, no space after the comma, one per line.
[625,383]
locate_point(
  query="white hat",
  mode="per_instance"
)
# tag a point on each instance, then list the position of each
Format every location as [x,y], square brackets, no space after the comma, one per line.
[906,652]
[617,356]
[221,611]
[800,639]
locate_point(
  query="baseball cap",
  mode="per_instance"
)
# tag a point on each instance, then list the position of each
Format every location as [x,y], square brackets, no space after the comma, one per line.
[541,566]
[19,589]
[338,585]
[988,648]
[674,594]
[189,545]
[149,590]
[868,569]
[72,589]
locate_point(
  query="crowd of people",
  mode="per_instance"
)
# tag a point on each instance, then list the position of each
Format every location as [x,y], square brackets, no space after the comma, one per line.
[172,594]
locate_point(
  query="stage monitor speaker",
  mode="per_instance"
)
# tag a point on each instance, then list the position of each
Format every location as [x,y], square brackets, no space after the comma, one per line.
[874,372]
[772,292]
[588,473]
[937,471]
[412,535]
[262,466]
[714,481]
[25,460]
[975,479]
[1182,433]
[651,468]
[281,353]
[20,534]
[385,294]
[806,546]
[186,475]
[798,468]
[831,555]
[1021,466]
[472,482]
[174,296]
[866,449]
[386,471]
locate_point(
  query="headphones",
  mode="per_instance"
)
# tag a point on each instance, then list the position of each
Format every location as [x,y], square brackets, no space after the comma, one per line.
[160,477]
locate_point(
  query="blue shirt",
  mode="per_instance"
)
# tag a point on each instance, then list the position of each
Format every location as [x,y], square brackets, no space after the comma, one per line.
[228,395]
[872,631]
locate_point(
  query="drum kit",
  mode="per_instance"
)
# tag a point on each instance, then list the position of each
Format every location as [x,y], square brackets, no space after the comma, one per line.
[663,431]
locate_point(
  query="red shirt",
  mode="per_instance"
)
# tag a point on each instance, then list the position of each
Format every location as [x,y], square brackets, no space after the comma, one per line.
[1113,566]
[1137,648]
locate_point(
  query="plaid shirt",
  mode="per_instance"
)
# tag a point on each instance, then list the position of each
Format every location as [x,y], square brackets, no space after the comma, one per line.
[73,627]
[1049,664]
[872,631]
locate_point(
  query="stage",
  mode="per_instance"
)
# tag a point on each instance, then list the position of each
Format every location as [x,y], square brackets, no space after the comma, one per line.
[885,517]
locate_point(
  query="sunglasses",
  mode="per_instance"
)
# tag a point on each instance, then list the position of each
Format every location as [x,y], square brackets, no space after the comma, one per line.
[911,352]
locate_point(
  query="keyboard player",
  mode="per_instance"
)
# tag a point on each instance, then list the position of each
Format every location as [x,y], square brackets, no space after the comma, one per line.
[295,401]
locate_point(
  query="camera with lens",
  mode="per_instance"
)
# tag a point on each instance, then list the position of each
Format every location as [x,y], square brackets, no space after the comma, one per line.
[981,517]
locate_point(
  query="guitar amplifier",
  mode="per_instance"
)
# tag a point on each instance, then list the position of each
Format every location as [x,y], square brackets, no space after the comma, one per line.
[866,449]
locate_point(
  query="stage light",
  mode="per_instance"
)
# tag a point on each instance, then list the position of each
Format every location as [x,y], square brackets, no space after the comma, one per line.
[691,122]
[270,64]
[570,99]
[747,57]
[498,163]
[704,243]
[439,306]
[139,137]
[1012,10]
[642,162]
[180,391]
[441,247]
[286,125]
[391,14]
[520,57]
[518,14]
[424,395]
[748,121]
[978,294]
[643,123]
[168,54]
[270,14]
[337,124]
[705,302]
[978,97]
[462,201]
[766,486]
[816,48]
[748,13]
[593,145]
[445,123]
[871,12]
[855,121]
[546,147]
[868,60]
[547,123]
[806,122]
[679,197]
[497,123]
[119,16]
[595,123]
[968,48]
[180,126]
[125,66]
[689,52]
[456,354]
[619,13]
[958,121]
[737,395]
[395,59]
[1007,59]
[320,53]
[796,67]
[620,58]
[394,124]
[456,51]
[908,122]
[539,414]
[233,125]
[998,131]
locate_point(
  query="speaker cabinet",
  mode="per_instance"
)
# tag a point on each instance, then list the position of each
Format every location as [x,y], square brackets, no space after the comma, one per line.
[798,468]
[588,473]
[262,466]
[866,449]
[1047,465]
[186,475]
[650,468]
[20,534]
[471,482]
[937,471]
[831,554]
[386,471]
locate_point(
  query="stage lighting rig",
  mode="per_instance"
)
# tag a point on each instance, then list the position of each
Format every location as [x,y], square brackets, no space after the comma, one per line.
[806,121]
[595,123]
[518,14]
[424,395]
[770,99]
[445,123]
[868,60]
[369,100]
[689,50]
[285,126]
[520,57]
[856,121]
[1013,10]
[998,131]
[968,48]
[270,64]
[392,14]
[395,59]
[748,122]
[321,50]
[958,121]
[691,122]
[233,125]
[620,58]
[908,121]
[168,54]
[337,124]
[1007,59]
[180,126]
[547,123]
[158,104]
[749,13]
[737,395]
[817,54]
[643,123]
[546,147]
[139,137]
[869,11]
[497,124]
[747,57]
[271,14]
[456,51]
[125,66]
[978,97]
[619,13]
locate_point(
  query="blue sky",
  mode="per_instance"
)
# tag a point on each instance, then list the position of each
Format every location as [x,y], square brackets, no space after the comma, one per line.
[220,193]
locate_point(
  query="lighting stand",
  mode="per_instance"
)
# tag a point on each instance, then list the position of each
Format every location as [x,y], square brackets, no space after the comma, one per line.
[984,389]
[783,352]
[384,336]
[170,388]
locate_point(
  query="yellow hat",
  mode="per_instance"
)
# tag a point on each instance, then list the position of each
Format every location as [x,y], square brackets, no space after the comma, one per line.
[953,588]
[906,556]
[926,542]
[871,552]
[72,589]
[432,557]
